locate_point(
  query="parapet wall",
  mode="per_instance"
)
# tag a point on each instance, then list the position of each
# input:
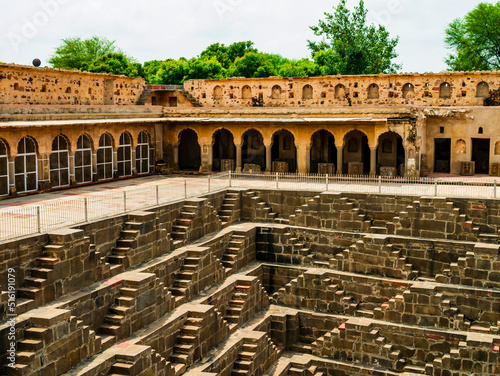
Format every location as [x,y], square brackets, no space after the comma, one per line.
[439,89]
[25,85]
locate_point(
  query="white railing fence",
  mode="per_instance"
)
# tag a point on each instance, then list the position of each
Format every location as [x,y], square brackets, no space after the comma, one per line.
[52,215]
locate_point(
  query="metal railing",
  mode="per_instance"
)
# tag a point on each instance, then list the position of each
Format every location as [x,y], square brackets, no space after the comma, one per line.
[56,214]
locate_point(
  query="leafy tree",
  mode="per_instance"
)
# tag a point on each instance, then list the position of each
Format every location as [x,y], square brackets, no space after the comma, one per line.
[350,45]
[173,72]
[116,63]
[77,53]
[299,68]
[475,39]
[254,64]
[151,69]
[205,69]
[226,55]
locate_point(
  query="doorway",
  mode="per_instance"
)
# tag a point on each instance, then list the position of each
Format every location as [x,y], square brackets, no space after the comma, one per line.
[442,155]
[481,155]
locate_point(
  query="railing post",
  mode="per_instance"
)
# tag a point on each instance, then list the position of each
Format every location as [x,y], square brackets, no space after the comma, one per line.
[86,207]
[38,220]
[157,194]
[277,181]
[327,182]
[380,184]
[185,189]
[435,188]
[495,189]
[124,201]
[230,174]
[209,177]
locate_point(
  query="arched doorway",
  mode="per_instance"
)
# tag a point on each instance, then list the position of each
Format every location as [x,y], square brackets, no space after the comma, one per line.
[142,157]
[356,150]
[323,150]
[105,158]
[223,151]
[283,150]
[83,160]
[390,152]
[189,152]
[59,162]
[124,155]
[26,166]
[4,168]
[253,151]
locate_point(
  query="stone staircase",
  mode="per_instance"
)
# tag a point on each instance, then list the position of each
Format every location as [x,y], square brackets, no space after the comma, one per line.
[233,253]
[236,306]
[122,253]
[229,212]
[297,370]
[254,207]
[184,352]
[184,279]
[144,97]
[256,355]
[182,225]
[191,99]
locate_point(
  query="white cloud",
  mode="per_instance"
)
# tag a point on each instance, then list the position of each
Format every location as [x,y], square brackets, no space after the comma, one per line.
[159,29]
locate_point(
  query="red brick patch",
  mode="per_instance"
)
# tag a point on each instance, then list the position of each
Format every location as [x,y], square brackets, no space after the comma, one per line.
[113,282]
[342,327]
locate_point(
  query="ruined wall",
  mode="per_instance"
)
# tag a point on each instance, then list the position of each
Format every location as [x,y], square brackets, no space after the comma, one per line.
[28,86]
[440,89]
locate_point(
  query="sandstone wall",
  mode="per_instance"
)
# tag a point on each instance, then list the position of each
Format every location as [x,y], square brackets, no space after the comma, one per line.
[28,86]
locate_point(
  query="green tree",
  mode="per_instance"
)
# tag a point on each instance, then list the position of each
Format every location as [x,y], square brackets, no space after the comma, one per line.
[151,69]
[299,68]
[116,63]
[77,53]
[205,68]
[226,55]
[352,46]
[475,40]
[173,72]
[255,64]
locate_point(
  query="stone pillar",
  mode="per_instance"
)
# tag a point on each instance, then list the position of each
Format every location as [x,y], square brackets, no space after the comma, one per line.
[72,180]
[302,159]
[206,158]
[94,165]
[115,163]
[269,162]
[340,155]
[134,163]
[158,143]
[43,171]
[238,158]
[12,177]
[373,161]
[175,148]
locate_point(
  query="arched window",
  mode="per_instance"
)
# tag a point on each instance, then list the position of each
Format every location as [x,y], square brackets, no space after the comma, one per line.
[373,91]
[59,162]
[408,91]
[217,93]
[83,160]
[480,130]
[460,147]
[445,90]
[142,154]
[4,169]
[26,166]
[339,91]
[497,148]
[276,92]
[246,92]
[307,92]
[124,157]
[105,157]
[483,90]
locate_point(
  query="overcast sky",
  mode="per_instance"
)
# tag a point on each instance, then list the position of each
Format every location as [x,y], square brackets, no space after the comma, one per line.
[160,29]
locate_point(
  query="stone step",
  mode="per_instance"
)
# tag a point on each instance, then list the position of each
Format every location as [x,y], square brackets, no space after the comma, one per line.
[122,368]
[180,358]
[29,293]
[35,282]
[25,357]
[191,330]
[39,334]
[178,235]
[17,370]
[117,260]
[187,215]
[129,234]
[182,283]
[242,364]
[24,305]
[249,347]
[126,243]
[114,319]
[179,368]
[121,251]
[195,321]
[47,262]
[130,292]
[186,275]
[45,273]
[239,372]
[178,291]
[185,339]
[191,261]
[232,319]
[246,355]
[29,345]
[107,340]
[177,228]
[126,301]
[183,348]
[110,330]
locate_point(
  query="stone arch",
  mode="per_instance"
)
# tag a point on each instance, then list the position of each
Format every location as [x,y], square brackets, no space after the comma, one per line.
[246,92]
[307,92]
[445,90]
[124,155]
[84,159]
[340,92]
[223,150]
[217,93]
[105,157]
[143,153]
[276,92]
[253,151]
[4,168]
[189,151]
[497,148]
[356,151]
[483,90]
[373,91]
[283,150]
[26,165]
[460,147]
[323,151]
[59,162]
[408,91]
[391,153]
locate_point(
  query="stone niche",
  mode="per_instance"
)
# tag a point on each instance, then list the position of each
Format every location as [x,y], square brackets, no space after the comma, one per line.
[494,170]
[355,168]
[326,168]
[390,172]
[279,166]
[467,168]
[227,165]
[251,168]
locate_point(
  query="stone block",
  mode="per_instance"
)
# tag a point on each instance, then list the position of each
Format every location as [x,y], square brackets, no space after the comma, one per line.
[355,168]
